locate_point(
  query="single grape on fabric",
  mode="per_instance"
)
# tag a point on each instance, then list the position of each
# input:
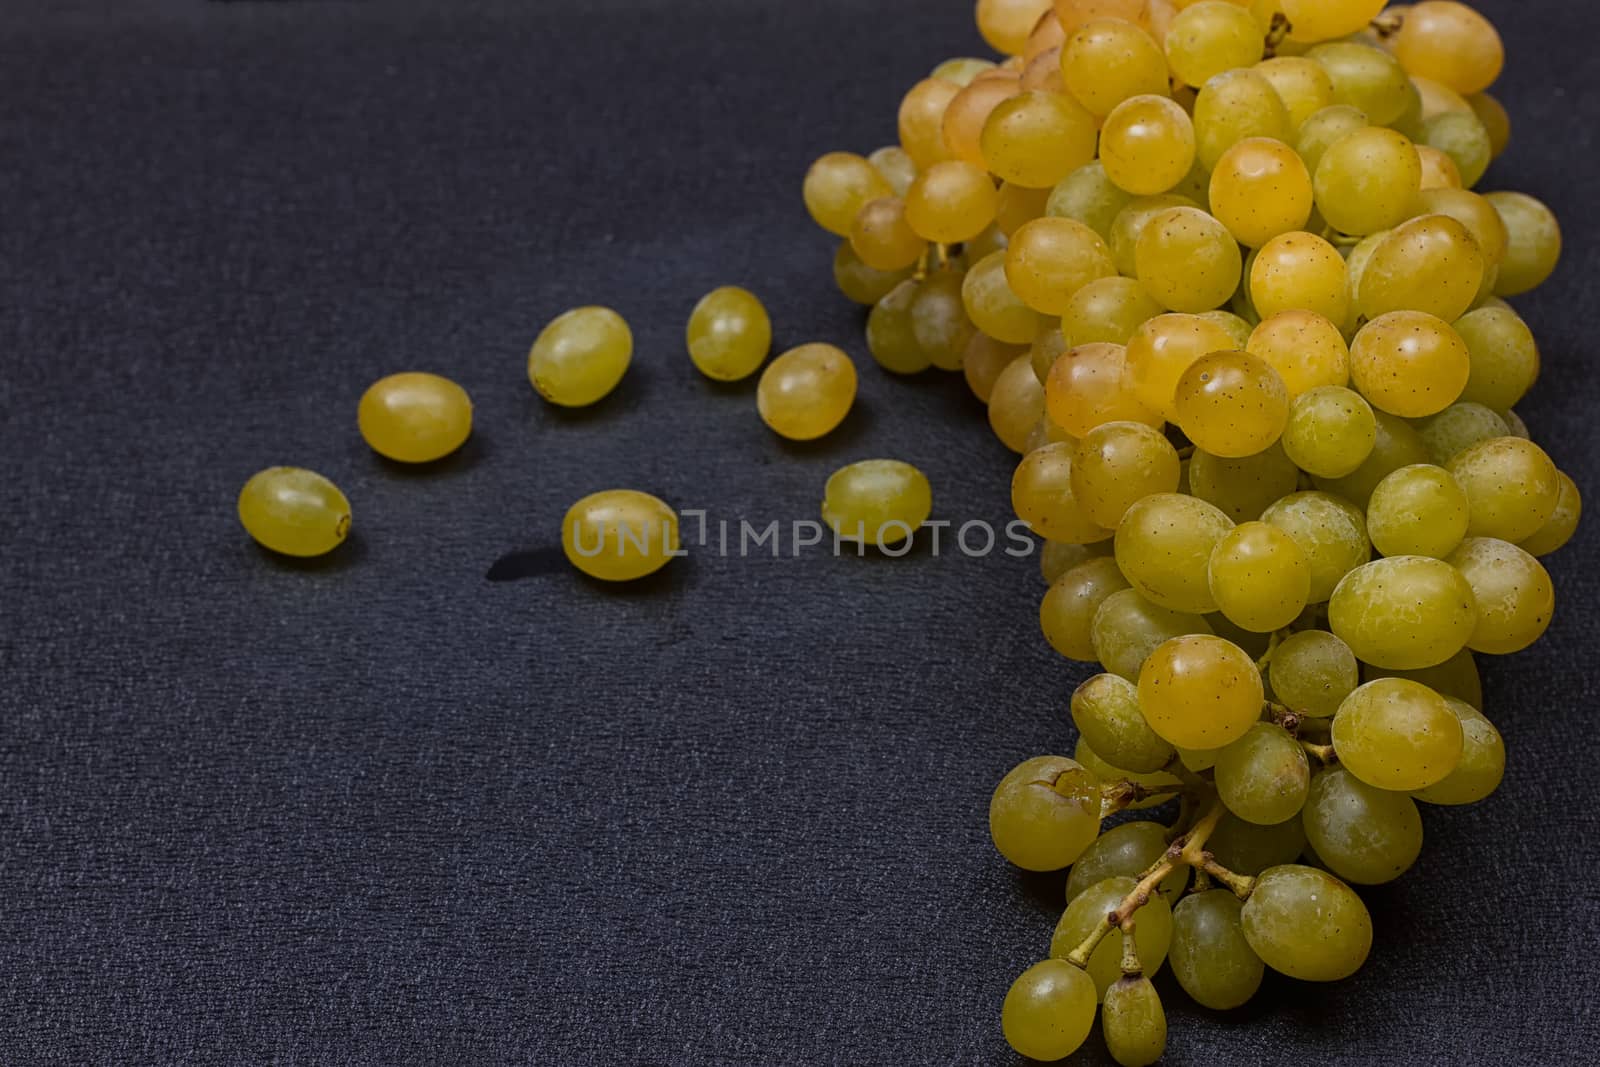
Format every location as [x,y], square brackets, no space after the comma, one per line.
[1049,1010]
[1397,734]
[1164,544]
[1210,956]
[1483,761]
[293,511]
[1307,924]
[1134,1022]
[881,501]
[1513,592]
[1127,851]
[581,356]
[1152,932]
[1119,463]
[1067,612]
[807,391]
[1232,404]
[1106,711]
[1364,834]
[1418,510]
[1331,431]
[1045,812]
[1200,691]
[620,535]
[1512,487]
[1312,672]
[729,334]
[415,417]
[1259,578]
[1403,612]
[1127,628]
[1264,776]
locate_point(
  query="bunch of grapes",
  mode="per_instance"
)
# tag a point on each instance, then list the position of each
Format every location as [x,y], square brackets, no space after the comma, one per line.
[1220,275]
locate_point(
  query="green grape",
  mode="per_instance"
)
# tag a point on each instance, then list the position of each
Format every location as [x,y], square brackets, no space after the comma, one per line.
[1483,761]
[580,356]
[414,417]
[1210,957]
[1089,195]
[1162,348]
[1045,812]
[984,360]
[1049,1010]
[1459,427]
[1016,404]
[1107,311]
[939,323]
[1450,43]
[1260,189]
[1263,777]
[1147,145]
[859,282]
[882,238]
[1211,37]
[1135,1024]
[1512,487]
[1367,180]
[1036,138]
[1534,242]
[1504,357]
[620,535]
[1513,592]
[1232,404]
[1430,264]
[1187,260]
[1330,531]
[729,334]
[1397,734]
[1461,136]
[1127,628]
[1455,677]
[1417,511]
[1042,497]
[1365,78]
[1130,223]
[1106,711]
[838,186]
[1409,363]
[1050,259]
[1119,463]
[1562,524]
[1259,577]
[951,202]
[1107,61]
[1200,691]
[1163,545]
[890,336]
[1403,612]
[1232,106]
[1397,445]
[1152,930]
[1237,328]
[1067,612]
[1515,424]
[1476,214]
[1126,851]
[1363,834]
[1242,488]
[1323,20]
[1331,431]
[896,164]
[992,305]
[1302,84]
[1312,672]
[294,511]
[1299,274]
[807,391]
[1324,127]
[1307,924]
[1248,848]
[1156,781]
[1087,387]
[1056,558]
[878,500]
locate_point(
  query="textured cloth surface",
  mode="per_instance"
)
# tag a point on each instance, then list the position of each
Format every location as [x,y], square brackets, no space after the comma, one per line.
[383,810]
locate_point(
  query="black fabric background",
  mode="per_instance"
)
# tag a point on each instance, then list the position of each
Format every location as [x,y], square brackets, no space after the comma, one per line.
[381,810]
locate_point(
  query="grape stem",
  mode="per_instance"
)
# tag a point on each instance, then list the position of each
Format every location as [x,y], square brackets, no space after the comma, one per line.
[1130,951]
[1277,33]
[1273,642]
[1122,794]
[1388,24]
[1241,885]
[1285,717]
[1324,753]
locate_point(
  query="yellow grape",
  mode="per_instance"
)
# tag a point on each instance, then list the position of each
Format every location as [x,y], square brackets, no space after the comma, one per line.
[1090,196]
[1474,212]
[1117,464]
[1398,735]
[1302,84]
[896,166]
[883,239]
[1044,813]
[1042,496]
[1035,139]
[1232,106]
[992,304]
[1431,264]
[1368,78]
[1211,37]
[1403,612]
[1324,127]
[1066,614]
[882,501]
[836,188]
[729,334]
[1300,272]
[580,356]
[962,69]
[984,360]
[1515,597]
[1130,222]
[939,322]
[1188,261]
[1107,309]
[1106,61]
[1306,350]
[1088,387]
[1533,242]
[1450,43]
[1512,487]
[1439,171]
[807,391]
[1243,487]
[1016,404]
[1006,24]
[1147,145]
[294,511]
[1562,523]
[415,417]
[620,535]
[1259,189]
[1162,348]
[1420,510]
[861,283]
[1495,121]
[1259,577]
[1367,181]
[1329,530]
[921,120]
[950,202]
[1232,404]
[1323,20]
[1200,692]
[1163,544]
[964,118]
[1016,206]
[1409,363]
[1050,259]
[1049,1010]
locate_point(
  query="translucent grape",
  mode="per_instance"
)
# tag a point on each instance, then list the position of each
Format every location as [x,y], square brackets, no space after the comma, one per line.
[992,304]
[961,70]
[1367,181]
[1087,388]
[1016,404]
[896,166]
[1513,593]
[1503,356]
[1459,135]
[1210,956]
[1152,932]
[1534,245]
[1042,496]
[1067,612]
[1409,363]
[1044,813]
[1329,531]
[1418,510]
[964,118]
[1089,195]
[1403,612]
[1305,348]
[1107,310]
[1133,1020]
[1397,734]
[729,334]
[1366,78]
[1119,463]
[1450,43]
[1107,61]
[1147,145]
[1312,672]
[620,535]
[1130,223]
[1322,20]
[1231,404]
[1483,761]
[1562,524]
[807,391]
[921,120]
[950,202]
[415,417]
[838,186]
[1302,274]
[1126,851]
[1460,426]
[1127,628]
[880,501]
[939,322]
[1263,777]
[1106,711]
[1163,545]
[861,283]
[1512,487]
[1493,115]
[581,356]
[1439,171]
[1236,327]
[1307,924]
[890,337]
[1397,445]
[1050,259]
[984,360]
[1074,13]
[1260,189]
[1232,106]
[294,511]
[1430,264]
[1331,431]
[1211,37]
[1302,84]
[1049,346]
[1006,24]
[1200,691]
[1049,1010]
[1364,834]
[1260,579]
[1187,260]
[1323,127]
[1161,349]
[1016,206]
[1247,848]
[1036,138]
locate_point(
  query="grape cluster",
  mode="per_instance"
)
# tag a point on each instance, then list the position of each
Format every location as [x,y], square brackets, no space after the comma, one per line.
[1219,272]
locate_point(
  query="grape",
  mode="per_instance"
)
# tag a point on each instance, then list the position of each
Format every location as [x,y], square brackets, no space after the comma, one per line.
[1119,463]
[1200,691]
[1074,13]
[1304,347]
[1049,1010]
[1107,61]
[1322,20]
[1232,106]
[1263,777]
[1430,264]
[1041,495]
[838,186]
[1147,145]
[1209,38]
[1307,924]
[1006,24]
[1047,35]
[1397,734]
[1463,138]
[1259,578]
[891,338]
[1134,1022]
[1045,812]
[1515,424]
[985,359]
[1418,510]
[1248,848]
[1323,127]
[1232,404]
[1016,206]
[1127,628]
[1107,310]
[1067,612]
[1300,274]
[1331,533]
[1087,388]
[1439,171]
[1534,244]
[1364,834]
[415,417]
[1561,525]
[1450,43]
[939,322]
[807,391]
[921,120]
[1036,138]
[1367,181]
[1436,98]
[960,70]
[1056,558]
[1459,427]
[1302,84]
[1493,115]
[1152,931]
[992,305]
[1210,956]
[1106,711]
[1130,223]
[861,283]
[1312,672]
[1512,487]
[1050,259]
[949,203]
[1397,445]
[1163,545]
[1504,358]
[1403,612]
[1366,78]
[1483,761]
[1513,592]
[1236,327]
[294,511]
[1126,851]
[1156,781]
[1016,404]
[896,164]
[1331,431]
[878,500]
[1049,346]
[1162,348]
[1455,677]
[964,118]
[619,535]
[1089,195]
[1187,260]
[580,356]
[729,334]
[1409,363]
[1260,189]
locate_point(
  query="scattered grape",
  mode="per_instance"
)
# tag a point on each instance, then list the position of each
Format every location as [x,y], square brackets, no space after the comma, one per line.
[415,417]
[294,511]
[729,334]
[620,535]
[581,356]
[807,391]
